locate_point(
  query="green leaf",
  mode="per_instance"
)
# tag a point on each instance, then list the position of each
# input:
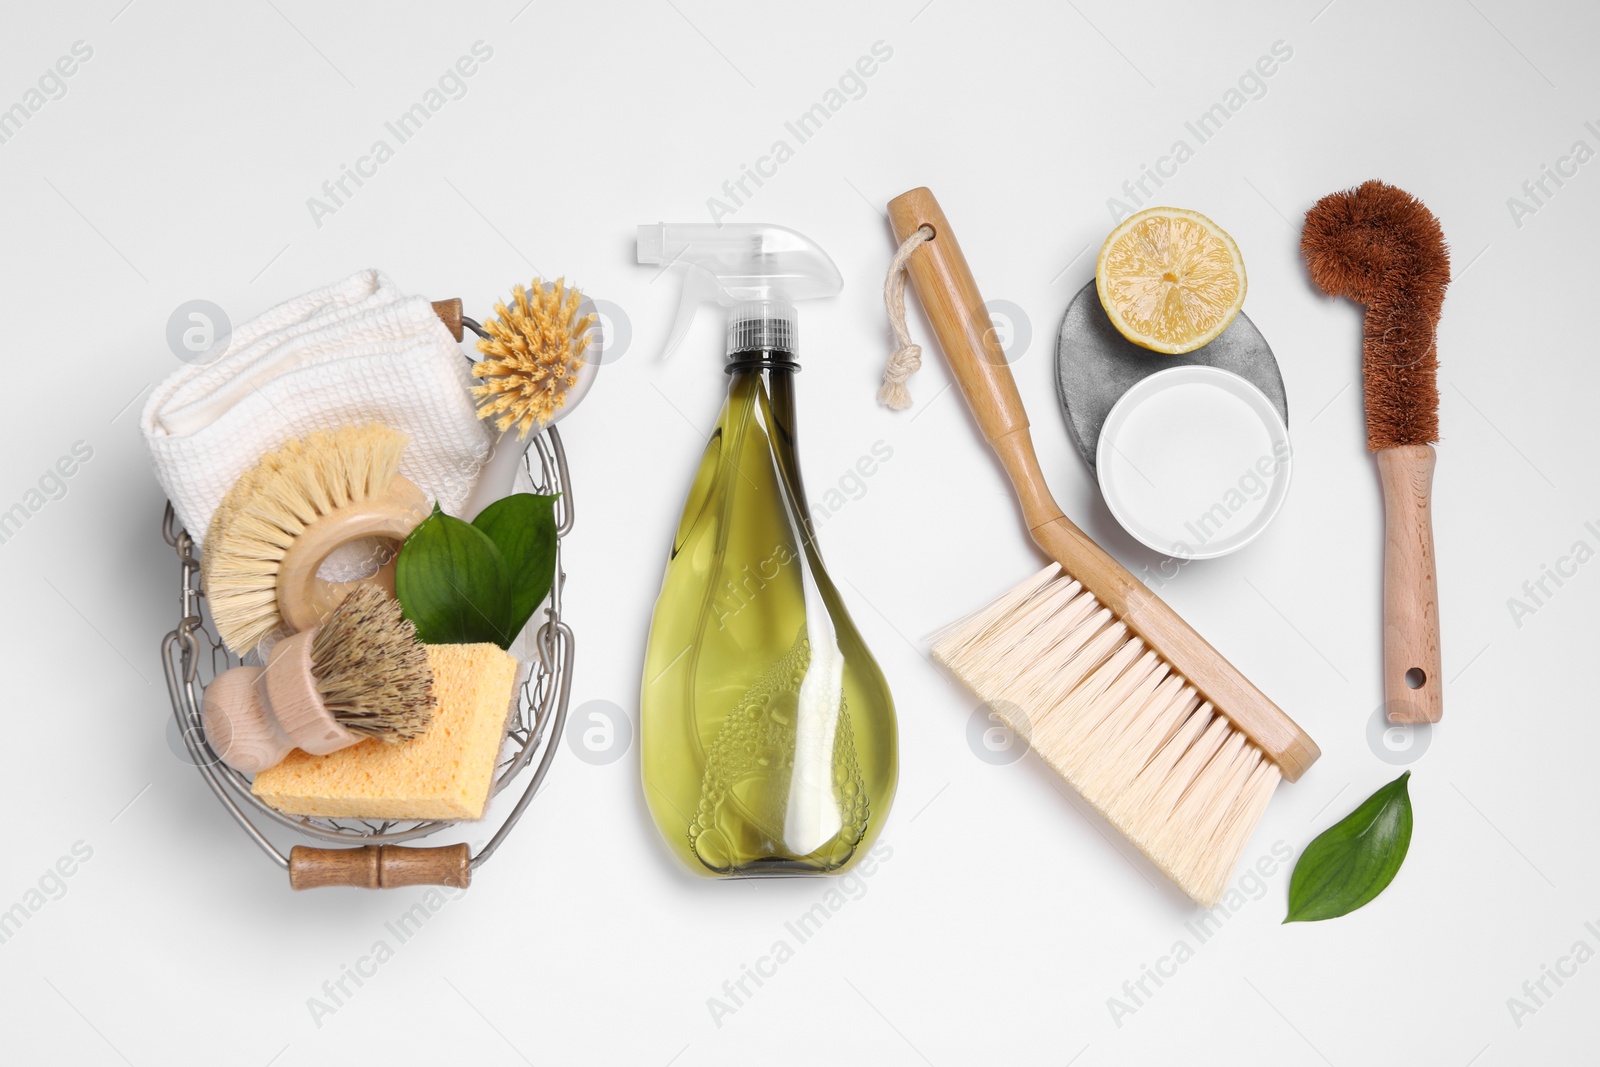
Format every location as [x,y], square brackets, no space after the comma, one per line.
[453,583]
[523,527]
[1355,859]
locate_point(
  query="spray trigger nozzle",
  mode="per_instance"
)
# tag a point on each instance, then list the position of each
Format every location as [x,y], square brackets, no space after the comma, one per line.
[759,269]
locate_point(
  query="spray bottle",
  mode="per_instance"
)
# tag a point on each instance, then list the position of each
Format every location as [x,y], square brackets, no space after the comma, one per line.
[767,730]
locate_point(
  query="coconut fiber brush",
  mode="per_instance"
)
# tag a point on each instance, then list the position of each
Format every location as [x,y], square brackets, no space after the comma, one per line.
[1146,720]
[1381,247]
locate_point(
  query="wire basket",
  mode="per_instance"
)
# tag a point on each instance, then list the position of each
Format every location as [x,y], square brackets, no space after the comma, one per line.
[192,655]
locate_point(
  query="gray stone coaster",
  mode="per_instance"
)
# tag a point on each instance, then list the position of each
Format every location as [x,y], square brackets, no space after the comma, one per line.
[1095,365]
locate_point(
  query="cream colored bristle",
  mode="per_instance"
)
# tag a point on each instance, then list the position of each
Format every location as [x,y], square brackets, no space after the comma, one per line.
[1116,721]
[275,502]
[531,357]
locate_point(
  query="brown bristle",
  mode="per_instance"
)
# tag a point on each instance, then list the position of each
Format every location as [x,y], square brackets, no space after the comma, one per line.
[1380,246]
[370,668]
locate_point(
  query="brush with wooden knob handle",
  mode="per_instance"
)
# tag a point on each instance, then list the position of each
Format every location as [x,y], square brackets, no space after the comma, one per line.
[1382,247]
[360,674]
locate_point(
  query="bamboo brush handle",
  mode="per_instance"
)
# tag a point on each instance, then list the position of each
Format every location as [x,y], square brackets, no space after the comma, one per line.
[254,717]
[1410,592]
[380,866]
[304,599]
[950,297]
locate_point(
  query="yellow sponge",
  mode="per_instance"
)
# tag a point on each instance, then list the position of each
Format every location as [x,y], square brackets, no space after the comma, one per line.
[443,774]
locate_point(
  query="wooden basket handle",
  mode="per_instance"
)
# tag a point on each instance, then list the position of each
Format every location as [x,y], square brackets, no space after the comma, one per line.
[380,866]
[449,312]
[950,296]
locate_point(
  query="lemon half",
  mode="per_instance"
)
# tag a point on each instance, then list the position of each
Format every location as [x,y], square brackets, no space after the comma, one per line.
[1170,279]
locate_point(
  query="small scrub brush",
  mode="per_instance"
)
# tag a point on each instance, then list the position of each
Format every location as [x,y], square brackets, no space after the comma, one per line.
[1381,247]
[288,513]
[532,357]
[361,674]
[537,364]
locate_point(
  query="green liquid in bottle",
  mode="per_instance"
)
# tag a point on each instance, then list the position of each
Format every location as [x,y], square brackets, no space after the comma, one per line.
[767,730]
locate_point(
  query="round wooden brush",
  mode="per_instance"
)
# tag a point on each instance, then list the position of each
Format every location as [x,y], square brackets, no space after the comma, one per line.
[537,364]
[361,674]
[288,513]
[1381,247]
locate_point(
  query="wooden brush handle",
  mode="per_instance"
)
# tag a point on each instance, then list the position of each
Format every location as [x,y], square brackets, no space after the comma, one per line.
[254,717]
[295,702]
[1410,593]
[236,724]
[950,297]
[304,599]
[380,866]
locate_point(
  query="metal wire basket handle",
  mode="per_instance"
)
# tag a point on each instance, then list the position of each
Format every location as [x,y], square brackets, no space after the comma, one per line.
[191,655]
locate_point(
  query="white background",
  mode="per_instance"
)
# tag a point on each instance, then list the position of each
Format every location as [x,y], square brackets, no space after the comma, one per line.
[178,166]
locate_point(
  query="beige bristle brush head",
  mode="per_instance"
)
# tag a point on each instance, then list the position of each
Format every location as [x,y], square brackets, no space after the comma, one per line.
[286,514]
[1112,717]
[533,359]
[361,674]
[1148,722]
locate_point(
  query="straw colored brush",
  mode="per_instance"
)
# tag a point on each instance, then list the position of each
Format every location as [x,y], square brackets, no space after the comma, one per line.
[1381,247]
[533,372]
[288,513]
[1148,722]
[361,674]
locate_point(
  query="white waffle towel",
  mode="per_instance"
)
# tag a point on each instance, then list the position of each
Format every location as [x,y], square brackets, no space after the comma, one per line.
[357,351]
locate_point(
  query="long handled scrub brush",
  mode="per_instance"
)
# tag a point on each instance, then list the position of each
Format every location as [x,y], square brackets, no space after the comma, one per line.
[1381,246]
[1148,722]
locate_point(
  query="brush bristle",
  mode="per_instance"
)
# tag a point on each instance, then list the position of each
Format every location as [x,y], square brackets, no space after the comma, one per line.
[370,668]
[531,357]
[272,504]
[1380,246]
[1119,724]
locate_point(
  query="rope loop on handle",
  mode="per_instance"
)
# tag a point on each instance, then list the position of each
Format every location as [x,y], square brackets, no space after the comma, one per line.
[906,358]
